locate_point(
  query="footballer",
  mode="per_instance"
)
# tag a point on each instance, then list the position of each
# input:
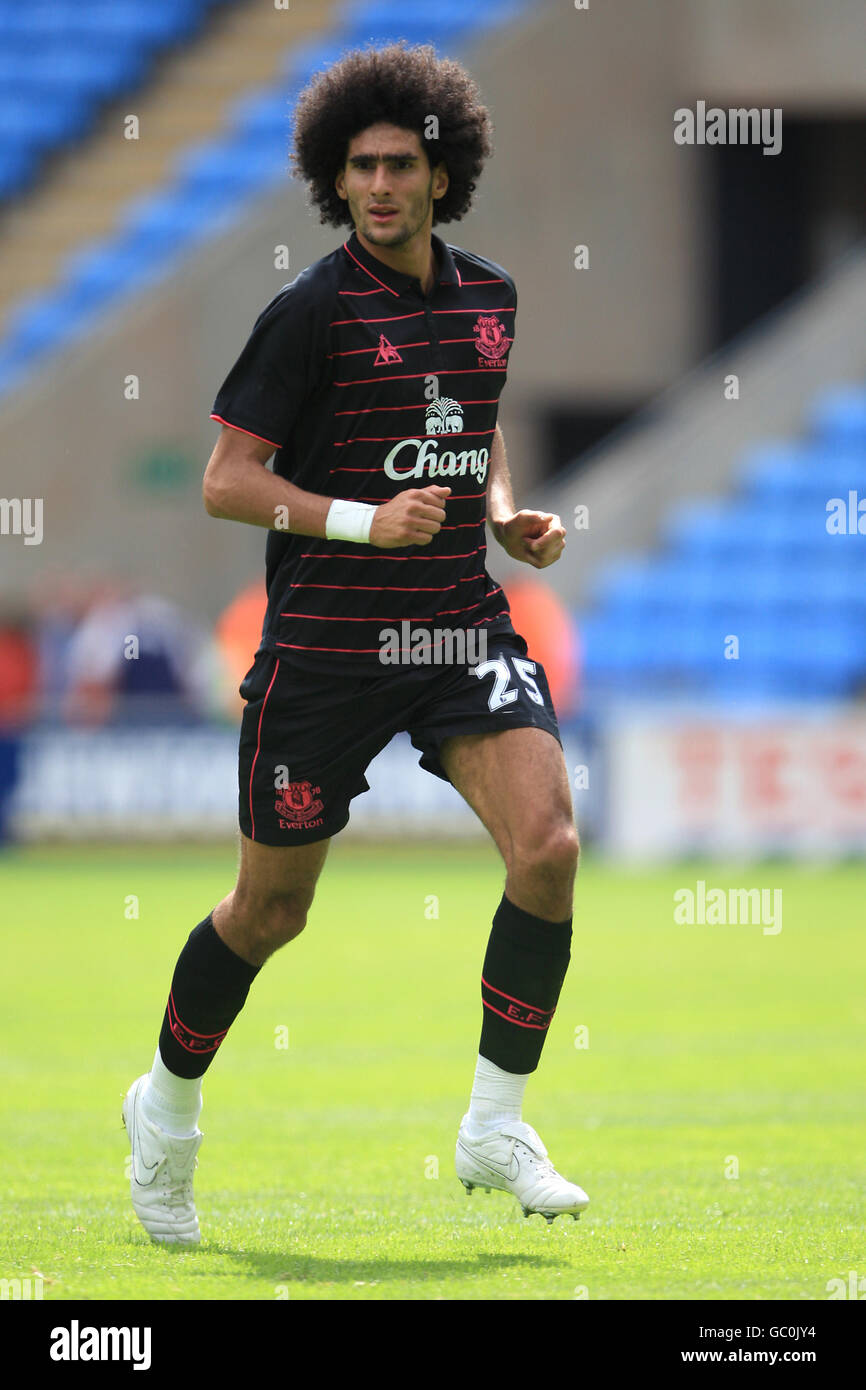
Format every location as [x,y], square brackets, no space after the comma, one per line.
[373,380]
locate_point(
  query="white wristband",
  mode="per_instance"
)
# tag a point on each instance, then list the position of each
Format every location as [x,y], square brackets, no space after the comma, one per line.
[349,521]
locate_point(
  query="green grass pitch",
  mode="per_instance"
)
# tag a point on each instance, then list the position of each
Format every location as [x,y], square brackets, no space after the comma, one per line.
[715,1116]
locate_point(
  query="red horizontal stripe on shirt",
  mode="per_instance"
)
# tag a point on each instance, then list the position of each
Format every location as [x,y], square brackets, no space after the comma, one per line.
[462,340]
[363,651]
[455,497]
[407,617]
[423,342]
[500,309]
[392,318]
[419,313]
[422,405]
[392,438]
[355,651]
[415,376]
[340,555]
[393,588]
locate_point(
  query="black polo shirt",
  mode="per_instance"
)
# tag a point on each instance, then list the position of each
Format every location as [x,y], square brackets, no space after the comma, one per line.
[365,386]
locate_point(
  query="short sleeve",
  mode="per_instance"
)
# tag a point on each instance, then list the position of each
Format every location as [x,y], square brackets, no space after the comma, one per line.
[278,368]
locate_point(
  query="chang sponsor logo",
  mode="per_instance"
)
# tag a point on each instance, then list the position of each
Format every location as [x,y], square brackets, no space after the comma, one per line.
[411,459]
[444,416]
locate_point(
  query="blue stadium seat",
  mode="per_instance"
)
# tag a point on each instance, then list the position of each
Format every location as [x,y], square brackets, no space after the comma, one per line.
[37,121]
[155,230]
[174,220]
[762,567]
[611,650]
[414,28]
[17,170]
[812,657]
[98,272]
[774,473]
[804,475]
[85,67]
[265,116]
[60,60]
[433,21]
[151,25]
[231,166]
[800,635]
[304,59]
[41,322]
[621,578]
[838,418]
[696,528]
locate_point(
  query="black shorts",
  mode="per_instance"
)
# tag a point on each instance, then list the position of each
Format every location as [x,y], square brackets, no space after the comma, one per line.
[307,739]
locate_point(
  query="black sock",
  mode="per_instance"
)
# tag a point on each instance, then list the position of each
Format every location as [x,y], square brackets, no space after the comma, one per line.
[208,991]
[524,968]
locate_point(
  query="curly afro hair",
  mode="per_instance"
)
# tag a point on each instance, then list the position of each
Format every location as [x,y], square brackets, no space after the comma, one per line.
[402,86]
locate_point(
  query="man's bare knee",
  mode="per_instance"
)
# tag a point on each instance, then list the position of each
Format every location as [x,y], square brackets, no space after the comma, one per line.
[274,921]
[254,926]
[549,855]
[268,906]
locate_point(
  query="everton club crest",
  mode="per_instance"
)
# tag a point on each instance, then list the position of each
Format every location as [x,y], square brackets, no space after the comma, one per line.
[491,340]
[299,804]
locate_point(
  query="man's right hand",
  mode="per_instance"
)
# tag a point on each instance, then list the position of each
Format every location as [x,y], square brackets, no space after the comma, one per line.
[413,518]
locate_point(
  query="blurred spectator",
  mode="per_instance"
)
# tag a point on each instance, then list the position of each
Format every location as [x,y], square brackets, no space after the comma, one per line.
[549,630]
[137,658]
[59,603]
[18,673]
[238,634]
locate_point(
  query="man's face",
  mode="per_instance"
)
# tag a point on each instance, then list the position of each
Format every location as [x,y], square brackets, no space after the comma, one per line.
[389,185]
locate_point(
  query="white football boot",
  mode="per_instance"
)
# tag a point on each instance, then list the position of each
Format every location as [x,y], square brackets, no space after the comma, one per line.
[513,1159]
[160,1177]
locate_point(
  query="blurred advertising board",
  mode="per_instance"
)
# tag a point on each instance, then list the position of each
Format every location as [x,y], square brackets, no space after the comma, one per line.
[781,781]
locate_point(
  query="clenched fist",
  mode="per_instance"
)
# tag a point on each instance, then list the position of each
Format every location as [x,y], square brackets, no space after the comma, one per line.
[413,518]
[537,538]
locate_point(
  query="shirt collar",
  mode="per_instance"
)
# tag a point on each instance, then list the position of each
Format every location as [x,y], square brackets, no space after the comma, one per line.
[395,280]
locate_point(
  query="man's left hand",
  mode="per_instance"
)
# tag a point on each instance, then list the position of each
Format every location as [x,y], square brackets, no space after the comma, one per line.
[537,538]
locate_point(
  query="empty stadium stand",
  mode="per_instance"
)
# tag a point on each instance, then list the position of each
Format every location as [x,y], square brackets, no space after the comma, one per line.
[758,594]
[88,240]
